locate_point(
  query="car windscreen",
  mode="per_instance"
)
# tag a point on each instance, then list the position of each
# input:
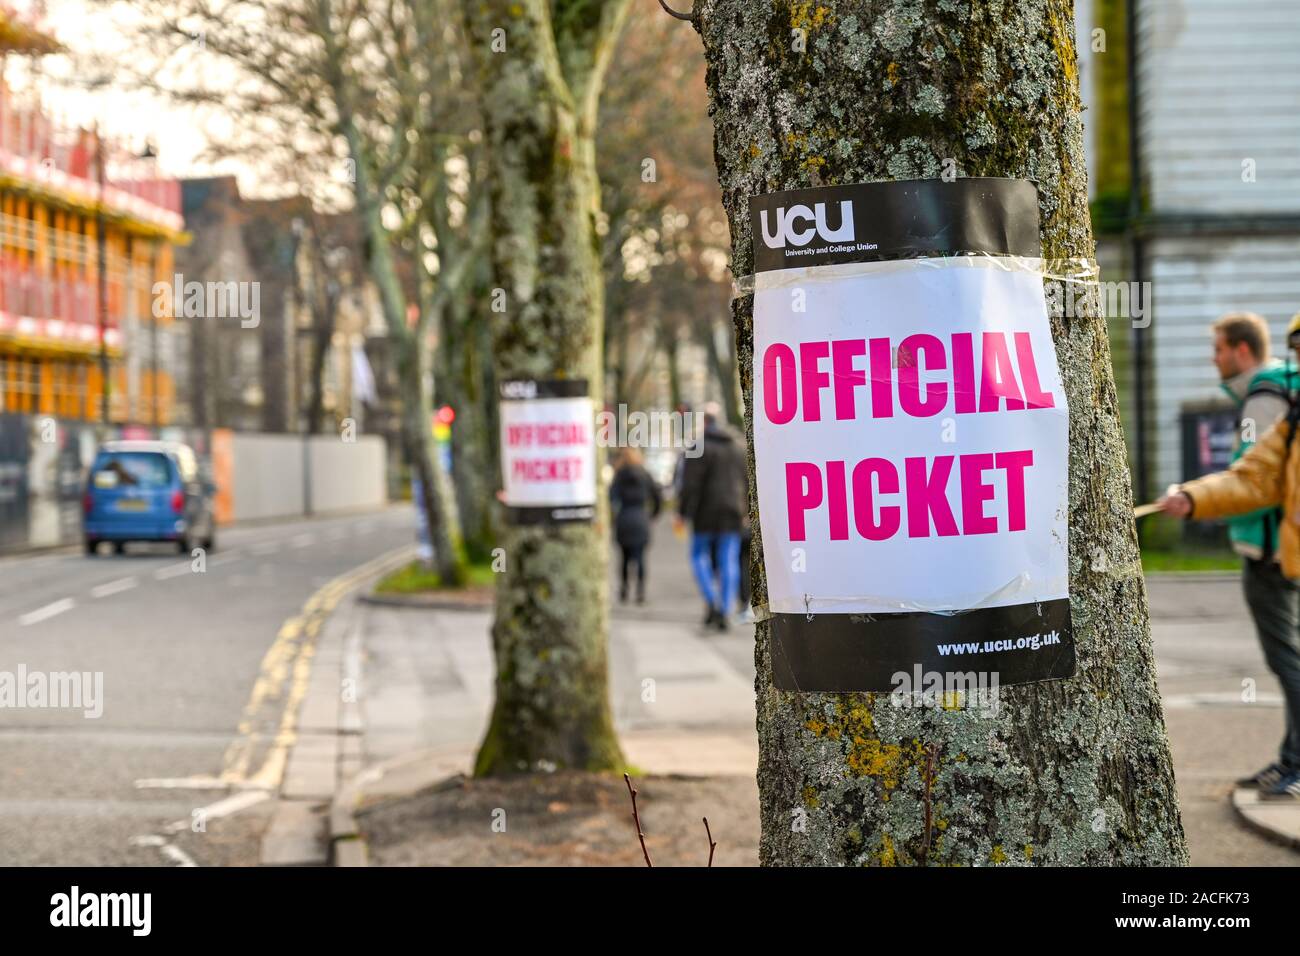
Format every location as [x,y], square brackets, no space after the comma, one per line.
[131,469]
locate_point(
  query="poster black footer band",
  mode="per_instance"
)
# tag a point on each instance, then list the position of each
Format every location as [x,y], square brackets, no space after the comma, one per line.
[565,514]
[842,653]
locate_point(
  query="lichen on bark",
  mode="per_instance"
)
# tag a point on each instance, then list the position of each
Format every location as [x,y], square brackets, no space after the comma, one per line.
[540,67]
[1067,772]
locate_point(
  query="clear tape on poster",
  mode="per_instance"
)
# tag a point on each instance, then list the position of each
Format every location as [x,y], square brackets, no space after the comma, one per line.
[888,606]
[1007,594]
[1075,271]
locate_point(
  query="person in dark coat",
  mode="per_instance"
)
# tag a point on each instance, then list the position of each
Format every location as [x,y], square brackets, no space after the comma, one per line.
[714,498]
[636,501]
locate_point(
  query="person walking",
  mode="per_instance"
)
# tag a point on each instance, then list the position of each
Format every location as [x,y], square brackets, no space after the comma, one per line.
[636,501]
[1260,387]
[714,499]
[1260,493]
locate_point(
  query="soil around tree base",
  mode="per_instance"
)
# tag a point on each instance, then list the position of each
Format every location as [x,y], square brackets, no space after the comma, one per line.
[565,819]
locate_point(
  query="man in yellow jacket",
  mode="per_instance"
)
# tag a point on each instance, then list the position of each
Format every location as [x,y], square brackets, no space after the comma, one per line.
[1266,476]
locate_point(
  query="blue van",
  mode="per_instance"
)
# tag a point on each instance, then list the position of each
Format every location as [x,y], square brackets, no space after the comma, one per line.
[147,491]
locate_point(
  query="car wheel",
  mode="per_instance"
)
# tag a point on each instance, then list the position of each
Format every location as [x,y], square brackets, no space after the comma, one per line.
[92,547]
[210,542]
[119,547]
[183,545]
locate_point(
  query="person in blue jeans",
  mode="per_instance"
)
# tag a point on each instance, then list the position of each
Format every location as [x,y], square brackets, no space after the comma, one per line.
[714,498]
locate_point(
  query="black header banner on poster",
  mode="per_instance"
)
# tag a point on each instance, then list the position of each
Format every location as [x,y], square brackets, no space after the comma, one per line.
[548,460]
[833,225]
[910,438]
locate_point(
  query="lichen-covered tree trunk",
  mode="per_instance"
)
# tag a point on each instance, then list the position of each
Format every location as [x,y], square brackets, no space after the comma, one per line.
[541,65]
[437,501]
[1067,772]
[463,383]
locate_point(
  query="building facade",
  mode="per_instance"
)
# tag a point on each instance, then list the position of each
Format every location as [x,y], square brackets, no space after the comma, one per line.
[1194,162]
[87,227]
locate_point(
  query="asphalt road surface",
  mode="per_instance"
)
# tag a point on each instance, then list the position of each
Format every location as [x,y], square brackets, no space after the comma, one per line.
[180,654]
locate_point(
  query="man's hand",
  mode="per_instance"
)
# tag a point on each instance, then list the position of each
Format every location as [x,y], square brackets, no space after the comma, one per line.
[1175,503]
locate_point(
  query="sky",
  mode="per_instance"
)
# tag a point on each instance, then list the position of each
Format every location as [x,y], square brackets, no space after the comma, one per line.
[180,134]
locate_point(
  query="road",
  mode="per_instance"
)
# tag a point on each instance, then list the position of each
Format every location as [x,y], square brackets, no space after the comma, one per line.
[181,656]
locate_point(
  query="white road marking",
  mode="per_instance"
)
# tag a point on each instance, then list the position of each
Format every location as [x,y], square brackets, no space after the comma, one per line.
[182,783]
[1230,698]
[177,855]
[224,558]
[336,534]
[113,587]
[365,527]
[47,612]
[172,571]
[223,808]
[302,540]
[266,547]
[173,853]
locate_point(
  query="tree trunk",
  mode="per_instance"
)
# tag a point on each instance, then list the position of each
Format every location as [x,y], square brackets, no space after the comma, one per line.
[1074,771]
[409,356]
[723,365]
[539,94]
[462,385]
[668,341]
[324,308]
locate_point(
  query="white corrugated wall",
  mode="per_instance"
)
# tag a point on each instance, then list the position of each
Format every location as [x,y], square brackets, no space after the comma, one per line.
[1220,84]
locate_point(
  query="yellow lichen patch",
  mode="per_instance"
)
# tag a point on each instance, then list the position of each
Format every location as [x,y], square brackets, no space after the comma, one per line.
[871,758]
[753,150]
[887,855]
[866,756]
[1063,45]
[941,824]
[1029,851]
[997,856]
[807,15]
[891,73]
[814,162]
[810,797]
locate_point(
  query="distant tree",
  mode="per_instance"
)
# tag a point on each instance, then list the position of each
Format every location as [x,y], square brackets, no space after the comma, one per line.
[353,100]
[541,68]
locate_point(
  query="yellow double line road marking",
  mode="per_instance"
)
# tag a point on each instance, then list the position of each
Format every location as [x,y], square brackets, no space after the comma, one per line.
[284,675]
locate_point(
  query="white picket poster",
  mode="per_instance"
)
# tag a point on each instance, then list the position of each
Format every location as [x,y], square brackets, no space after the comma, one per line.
[910,436]
[548,451]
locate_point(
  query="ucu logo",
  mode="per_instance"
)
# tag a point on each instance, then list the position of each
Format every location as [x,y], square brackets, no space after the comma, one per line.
[791,228]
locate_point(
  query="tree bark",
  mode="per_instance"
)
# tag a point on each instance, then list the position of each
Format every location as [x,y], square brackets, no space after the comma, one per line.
[437,502]
[723,365]
[539,97]
[1073,772]
[324,310]
[464,384]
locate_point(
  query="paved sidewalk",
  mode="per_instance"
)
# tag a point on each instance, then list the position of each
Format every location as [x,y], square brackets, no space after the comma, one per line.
[429,674]
[1223,709]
